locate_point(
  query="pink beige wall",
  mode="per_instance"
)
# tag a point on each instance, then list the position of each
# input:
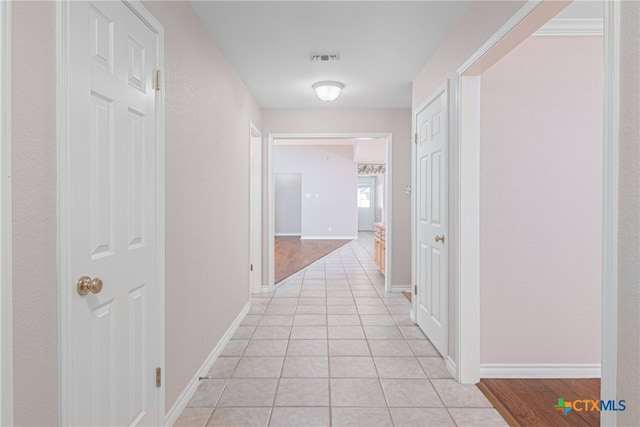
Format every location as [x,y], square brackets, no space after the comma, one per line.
[329,172]
[540,203]
[347,121]
[208,110]
[481,20]
[35,301]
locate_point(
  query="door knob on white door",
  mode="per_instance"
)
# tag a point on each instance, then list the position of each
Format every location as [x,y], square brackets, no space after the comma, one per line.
[440,239]
[86,285]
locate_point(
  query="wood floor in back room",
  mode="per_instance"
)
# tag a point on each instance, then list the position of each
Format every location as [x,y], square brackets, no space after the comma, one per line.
[530,402]
[292,254]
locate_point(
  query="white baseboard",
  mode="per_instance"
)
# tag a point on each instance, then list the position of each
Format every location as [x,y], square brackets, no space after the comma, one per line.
[542,370]
[329,237]
[412,315]
[451,366]
[572,27]
[287,234]
[191,388]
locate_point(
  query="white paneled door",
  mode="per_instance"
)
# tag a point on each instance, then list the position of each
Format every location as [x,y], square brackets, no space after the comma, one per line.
[114,316]
[431,215]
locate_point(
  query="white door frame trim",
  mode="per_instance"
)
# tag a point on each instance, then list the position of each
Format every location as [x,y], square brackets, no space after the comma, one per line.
[465,159]
[254,132]
[468,255]
[63,75]
[6,306]
[271,192]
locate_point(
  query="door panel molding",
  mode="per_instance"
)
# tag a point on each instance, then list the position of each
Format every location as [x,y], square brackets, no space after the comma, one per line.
[64,182]
[423,212]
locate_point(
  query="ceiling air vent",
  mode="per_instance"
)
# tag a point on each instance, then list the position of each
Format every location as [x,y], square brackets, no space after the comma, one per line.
[330,57]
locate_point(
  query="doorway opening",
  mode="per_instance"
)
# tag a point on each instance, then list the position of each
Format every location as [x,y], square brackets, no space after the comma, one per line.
[326,169]
[366,201]
[466,126]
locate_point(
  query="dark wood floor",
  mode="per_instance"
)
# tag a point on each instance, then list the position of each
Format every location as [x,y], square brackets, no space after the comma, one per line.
[292,254]
[530,402]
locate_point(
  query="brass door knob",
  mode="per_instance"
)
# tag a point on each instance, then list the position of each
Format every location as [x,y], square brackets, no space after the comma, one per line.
[86,285]
[440,239]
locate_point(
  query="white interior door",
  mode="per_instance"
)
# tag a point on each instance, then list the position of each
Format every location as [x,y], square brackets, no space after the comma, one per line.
[431,216]
[114,334]
[366,203]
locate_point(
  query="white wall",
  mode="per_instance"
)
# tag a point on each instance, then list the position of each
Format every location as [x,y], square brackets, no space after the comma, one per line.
[628,349]
[348,121]
[288,204]
[329,177]
[541,203]
[372,151]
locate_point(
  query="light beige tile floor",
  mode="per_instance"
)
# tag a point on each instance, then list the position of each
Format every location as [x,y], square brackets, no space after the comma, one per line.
[331,347]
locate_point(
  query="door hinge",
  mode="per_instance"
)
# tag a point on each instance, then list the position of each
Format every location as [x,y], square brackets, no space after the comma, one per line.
[251,267]
[415,138]
[415,289]
[156,79]
[158,377]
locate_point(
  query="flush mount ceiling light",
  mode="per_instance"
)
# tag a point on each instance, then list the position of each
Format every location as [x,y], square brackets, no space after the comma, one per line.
[328,91]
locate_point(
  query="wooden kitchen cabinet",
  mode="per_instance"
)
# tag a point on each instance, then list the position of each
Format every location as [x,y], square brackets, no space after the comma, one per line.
[379,245]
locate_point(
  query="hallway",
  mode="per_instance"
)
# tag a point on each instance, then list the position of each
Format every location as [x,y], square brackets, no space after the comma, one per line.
[331,347]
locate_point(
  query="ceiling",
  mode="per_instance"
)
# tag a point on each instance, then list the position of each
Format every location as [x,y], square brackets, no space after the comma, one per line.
[382,46]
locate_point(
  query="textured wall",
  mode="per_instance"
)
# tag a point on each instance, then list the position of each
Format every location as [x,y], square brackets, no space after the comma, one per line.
[480,21]
[34,224]
[541,203]
[628,377]
[208,110]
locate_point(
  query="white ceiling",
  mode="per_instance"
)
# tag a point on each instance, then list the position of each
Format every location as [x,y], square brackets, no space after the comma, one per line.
[382,45]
